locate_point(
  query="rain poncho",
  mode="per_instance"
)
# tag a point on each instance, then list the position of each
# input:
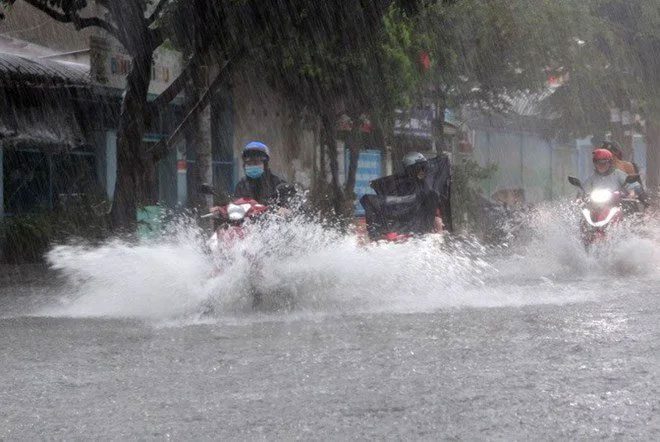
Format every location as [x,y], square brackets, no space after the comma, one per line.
[404,204]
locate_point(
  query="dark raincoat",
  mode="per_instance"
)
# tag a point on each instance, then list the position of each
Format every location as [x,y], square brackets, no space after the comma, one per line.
[263,189]
[405,204]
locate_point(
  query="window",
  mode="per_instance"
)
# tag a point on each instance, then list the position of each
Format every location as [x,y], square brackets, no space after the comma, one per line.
[36,181]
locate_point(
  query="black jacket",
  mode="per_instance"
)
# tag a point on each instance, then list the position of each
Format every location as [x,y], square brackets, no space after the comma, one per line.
[263,190]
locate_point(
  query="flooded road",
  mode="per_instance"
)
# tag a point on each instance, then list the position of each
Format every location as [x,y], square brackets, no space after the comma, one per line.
[532,343]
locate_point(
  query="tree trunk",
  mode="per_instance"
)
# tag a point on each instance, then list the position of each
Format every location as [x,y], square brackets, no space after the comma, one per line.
[354,156]
[161,149]
[441,104]
[201,139]
[323,171]
[132,167]
[135,172]
[330,141]
[653,155]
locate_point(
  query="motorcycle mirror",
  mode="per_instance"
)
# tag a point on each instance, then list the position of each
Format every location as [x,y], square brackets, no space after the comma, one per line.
[574,181]
[632,179]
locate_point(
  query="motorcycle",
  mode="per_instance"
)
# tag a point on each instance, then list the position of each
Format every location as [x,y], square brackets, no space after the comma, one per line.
[397,219]
[602,209]
[232,218]
[233,222]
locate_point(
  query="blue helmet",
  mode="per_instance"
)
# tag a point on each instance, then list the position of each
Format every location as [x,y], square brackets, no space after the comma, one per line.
[256,148]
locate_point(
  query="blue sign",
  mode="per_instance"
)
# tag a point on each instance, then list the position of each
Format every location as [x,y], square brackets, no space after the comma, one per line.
[369,168]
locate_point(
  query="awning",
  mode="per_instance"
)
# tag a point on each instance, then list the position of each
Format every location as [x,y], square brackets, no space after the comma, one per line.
[36,104]
[38,71]
[50,127]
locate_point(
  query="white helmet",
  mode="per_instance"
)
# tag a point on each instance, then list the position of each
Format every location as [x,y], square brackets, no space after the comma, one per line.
[413,158]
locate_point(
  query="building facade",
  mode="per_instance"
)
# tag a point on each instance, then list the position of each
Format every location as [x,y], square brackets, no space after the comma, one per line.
[530,164]
[84,132]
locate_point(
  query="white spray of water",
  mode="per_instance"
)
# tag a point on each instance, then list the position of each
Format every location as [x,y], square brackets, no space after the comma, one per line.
[153,280]
[320,271]
[551,246]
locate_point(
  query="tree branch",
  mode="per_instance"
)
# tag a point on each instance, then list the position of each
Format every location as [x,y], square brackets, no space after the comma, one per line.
[79,22]
[161,148]
[59,16]
[86,22]
[175,87]
[157,11]
[157,37]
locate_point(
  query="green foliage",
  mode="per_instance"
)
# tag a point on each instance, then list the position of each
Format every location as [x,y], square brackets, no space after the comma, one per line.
[615,65]
[484,51]
[85,218]
[466,193]
[26,238]
[345,54]
[400,76]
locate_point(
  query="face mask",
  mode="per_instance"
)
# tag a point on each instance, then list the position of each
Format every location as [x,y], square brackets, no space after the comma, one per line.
[254,172]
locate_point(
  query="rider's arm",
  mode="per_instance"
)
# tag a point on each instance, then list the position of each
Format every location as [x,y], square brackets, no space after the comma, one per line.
[626,188]
[587,186]
[437,222]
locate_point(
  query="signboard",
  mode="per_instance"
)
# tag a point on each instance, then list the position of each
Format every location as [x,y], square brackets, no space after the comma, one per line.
[110,64]
[416,122]
[369,168]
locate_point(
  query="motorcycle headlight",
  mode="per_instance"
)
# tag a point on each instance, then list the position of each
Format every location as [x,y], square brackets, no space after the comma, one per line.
[236,212]
[601,196]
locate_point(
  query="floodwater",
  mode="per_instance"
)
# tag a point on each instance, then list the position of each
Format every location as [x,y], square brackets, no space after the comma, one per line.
[533,340]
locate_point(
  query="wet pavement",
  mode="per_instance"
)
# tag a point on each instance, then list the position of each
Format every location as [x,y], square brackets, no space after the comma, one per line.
[582,370]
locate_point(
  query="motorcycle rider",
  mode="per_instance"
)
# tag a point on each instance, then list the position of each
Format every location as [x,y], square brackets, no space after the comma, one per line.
[415,166]
[618,162]
[260,183]
[605,176]
[628,168]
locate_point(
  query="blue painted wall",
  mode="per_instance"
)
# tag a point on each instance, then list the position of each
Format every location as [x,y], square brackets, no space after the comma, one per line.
[370,167]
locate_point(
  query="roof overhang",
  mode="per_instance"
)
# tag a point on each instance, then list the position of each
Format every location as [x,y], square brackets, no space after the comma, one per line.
[50,127]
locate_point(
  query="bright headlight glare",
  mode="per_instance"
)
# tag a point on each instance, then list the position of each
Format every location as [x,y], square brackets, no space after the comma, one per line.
[600,196]
[236,212]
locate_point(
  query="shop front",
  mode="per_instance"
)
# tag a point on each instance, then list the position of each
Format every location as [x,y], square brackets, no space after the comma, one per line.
[47,156]
[58,132]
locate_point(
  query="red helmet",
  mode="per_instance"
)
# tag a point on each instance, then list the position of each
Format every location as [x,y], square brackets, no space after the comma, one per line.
[602,154]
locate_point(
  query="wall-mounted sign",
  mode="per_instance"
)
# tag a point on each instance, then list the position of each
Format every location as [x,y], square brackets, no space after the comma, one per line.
[110,64]
[369,168]
[416,122]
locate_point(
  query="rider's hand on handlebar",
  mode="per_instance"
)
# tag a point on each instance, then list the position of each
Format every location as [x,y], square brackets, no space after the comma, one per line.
[216,210]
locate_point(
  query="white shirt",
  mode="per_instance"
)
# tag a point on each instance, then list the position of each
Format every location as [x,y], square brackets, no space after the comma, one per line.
[614,180]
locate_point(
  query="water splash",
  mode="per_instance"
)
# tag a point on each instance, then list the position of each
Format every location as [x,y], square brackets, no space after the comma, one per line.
[319,271]
[549,245]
